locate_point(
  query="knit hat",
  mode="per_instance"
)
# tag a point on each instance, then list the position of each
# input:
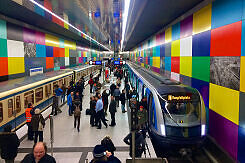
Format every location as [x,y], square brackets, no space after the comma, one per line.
[99,151]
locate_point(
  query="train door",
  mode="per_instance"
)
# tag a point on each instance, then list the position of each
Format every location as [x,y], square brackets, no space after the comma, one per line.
[1,111]
[152,110]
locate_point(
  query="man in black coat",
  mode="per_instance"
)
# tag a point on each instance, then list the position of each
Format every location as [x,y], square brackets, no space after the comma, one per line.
[9,143]
[112,88]
[105,96]
[113,110]
[39,155]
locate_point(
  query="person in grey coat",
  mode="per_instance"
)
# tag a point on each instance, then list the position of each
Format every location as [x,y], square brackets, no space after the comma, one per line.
[117,95]
[37,123]
[113,110]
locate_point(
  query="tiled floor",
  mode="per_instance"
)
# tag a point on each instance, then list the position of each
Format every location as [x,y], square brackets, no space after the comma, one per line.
[73,146]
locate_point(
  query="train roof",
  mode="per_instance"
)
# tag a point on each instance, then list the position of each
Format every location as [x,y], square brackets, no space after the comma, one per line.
[16,83]
[162,84]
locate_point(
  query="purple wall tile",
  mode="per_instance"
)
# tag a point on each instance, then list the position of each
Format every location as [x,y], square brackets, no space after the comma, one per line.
[224,132]
[186,26]
[29,35]
[62,67]
[155,69]
[80,59]
[40,38]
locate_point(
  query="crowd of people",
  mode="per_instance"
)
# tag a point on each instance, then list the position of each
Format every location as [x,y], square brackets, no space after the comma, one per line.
[100,105]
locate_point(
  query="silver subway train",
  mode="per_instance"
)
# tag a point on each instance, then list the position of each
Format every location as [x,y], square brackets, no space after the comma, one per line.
[176,112]
[17,93]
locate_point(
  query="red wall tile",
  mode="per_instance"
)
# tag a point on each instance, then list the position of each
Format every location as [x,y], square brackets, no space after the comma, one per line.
[175,62]
[61,52]
[226,40]
[56,52]
[3,66]
[57,21]
[49,62]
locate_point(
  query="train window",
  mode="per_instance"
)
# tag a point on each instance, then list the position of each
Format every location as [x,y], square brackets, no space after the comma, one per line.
[10,108]
[39,94]
[60,82]
[48,90]
[150,109]
[18,104]
[1,112]
[140,90]
[29,98]
[66,81]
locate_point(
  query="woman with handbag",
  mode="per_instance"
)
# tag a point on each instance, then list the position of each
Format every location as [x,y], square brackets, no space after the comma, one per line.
[37,123]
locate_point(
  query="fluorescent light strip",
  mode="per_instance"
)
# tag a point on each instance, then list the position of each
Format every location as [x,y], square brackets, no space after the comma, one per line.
[125,19]
[67,23]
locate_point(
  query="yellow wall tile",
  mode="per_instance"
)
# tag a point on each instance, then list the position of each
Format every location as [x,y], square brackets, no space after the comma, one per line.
[186,66]
[156,62]
[202,19]
[142,64]
[175,48]
[242,74]
[84,54]
[70,45]
[16,65]
[168,35]
[225,102]
[52,40]
[66,52]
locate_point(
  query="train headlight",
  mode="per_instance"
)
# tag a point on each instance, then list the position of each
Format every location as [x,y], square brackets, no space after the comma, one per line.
[203,131]
[163,130]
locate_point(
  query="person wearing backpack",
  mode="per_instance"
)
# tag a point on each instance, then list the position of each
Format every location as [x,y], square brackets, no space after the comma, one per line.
[108,144]
[77,114]
[139,143]
[38,123]
[91,83]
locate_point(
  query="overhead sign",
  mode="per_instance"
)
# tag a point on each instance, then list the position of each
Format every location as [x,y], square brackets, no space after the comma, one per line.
[35,71]
[171,97]
[119,62]
[95,62]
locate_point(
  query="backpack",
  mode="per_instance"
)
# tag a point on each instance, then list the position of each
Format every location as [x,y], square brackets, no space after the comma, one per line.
[77,111]
[88,112]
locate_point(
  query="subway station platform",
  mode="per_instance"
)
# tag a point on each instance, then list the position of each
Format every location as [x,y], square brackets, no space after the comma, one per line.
[73,146]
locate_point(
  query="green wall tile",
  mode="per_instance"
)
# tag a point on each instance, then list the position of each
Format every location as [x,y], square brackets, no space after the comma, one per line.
[201,68]
[3,48]
[3,29]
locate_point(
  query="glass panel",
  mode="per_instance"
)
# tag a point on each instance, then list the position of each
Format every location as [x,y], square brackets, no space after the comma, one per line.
[48,90]
[182,113]
[39,94]
[1,112]
[10,108]
[18,104]
[29,98]
[60,82]
[140,91]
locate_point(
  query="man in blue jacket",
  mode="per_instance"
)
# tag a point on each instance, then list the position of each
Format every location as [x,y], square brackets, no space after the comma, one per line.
[69,102]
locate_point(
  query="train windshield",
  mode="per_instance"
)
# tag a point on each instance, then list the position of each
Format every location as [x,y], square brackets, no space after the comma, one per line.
[181,110]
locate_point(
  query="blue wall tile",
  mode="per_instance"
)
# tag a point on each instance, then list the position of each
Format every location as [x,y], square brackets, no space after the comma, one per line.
[243,39]
[162,51]
[201,44]
[226,12]
[49,51]
[168,63]
[34,62]
[40,50]
[176,31]
[158,51]
[203,88]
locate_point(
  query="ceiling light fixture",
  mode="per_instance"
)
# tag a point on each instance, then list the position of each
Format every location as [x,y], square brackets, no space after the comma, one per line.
[125,18]
[42,7]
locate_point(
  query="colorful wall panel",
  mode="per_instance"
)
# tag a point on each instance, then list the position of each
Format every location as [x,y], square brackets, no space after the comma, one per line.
[206,50]
[22,49]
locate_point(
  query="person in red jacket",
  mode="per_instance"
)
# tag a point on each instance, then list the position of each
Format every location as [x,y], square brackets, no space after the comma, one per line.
[91,83]
[28,113]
